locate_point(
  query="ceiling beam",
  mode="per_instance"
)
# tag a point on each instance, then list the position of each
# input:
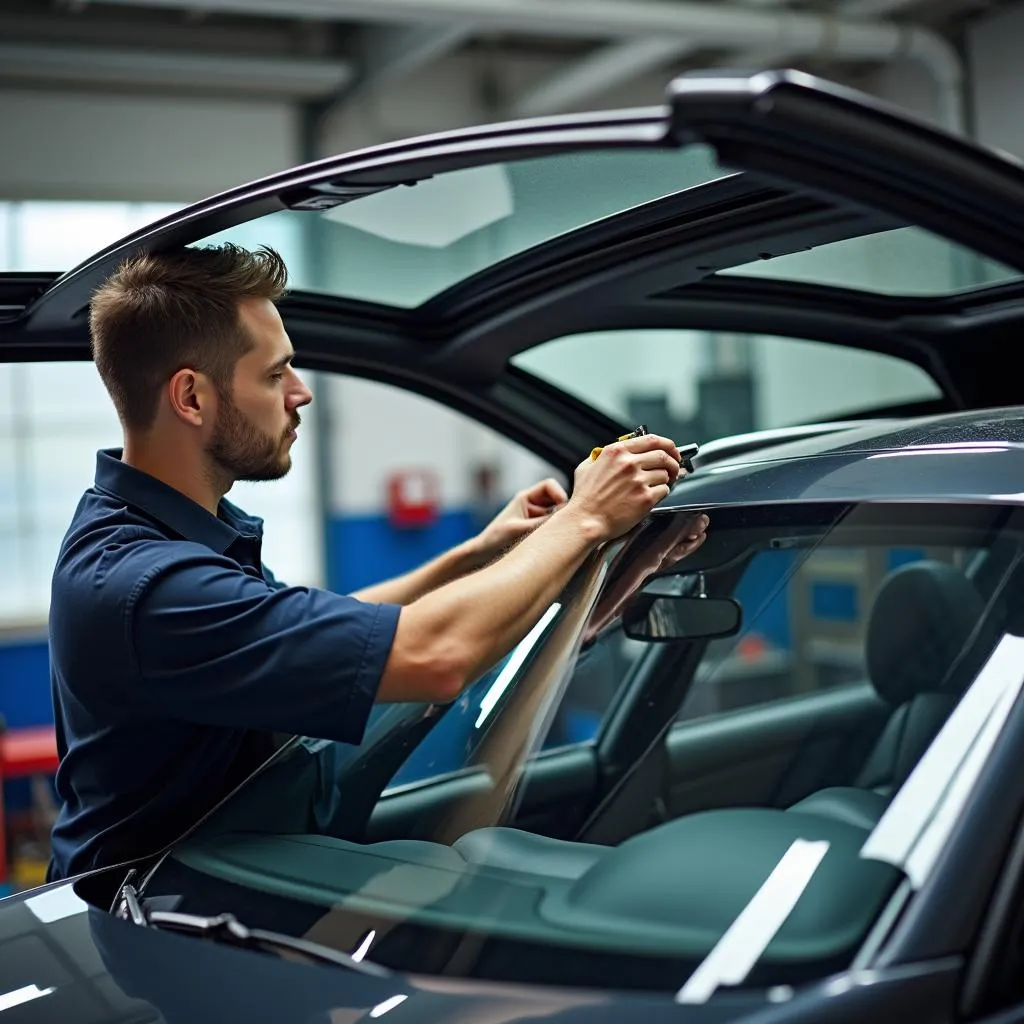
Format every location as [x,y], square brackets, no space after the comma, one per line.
[598,72]
[621,62]
[290,78]
[720,23]
[723,25]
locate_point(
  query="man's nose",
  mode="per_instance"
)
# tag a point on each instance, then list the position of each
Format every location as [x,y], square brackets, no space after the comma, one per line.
[300,395]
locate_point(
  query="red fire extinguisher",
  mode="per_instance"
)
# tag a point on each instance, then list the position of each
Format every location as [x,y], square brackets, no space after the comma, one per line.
[413,498]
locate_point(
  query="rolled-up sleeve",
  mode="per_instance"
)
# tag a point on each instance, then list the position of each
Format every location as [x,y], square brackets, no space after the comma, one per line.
[215,645]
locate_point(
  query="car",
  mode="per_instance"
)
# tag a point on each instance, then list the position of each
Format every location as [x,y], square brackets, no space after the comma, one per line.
[774,779]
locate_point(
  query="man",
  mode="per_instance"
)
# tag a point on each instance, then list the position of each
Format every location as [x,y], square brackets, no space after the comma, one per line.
[175,653]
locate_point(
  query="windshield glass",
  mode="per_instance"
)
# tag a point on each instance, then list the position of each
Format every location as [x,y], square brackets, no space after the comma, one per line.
[673,741]
[404,245]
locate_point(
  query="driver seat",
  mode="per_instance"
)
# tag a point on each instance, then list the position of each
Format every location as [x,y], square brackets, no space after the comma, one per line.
[922,619]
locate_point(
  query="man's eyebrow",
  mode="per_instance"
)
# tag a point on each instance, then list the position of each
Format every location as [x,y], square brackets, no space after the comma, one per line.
[281,363]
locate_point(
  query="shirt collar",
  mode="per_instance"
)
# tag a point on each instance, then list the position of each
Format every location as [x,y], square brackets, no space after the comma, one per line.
[172,508]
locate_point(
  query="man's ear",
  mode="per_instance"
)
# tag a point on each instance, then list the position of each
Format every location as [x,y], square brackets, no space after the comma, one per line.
[191,395]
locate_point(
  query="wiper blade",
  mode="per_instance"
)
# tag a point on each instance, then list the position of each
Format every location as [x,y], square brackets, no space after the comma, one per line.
[229,931]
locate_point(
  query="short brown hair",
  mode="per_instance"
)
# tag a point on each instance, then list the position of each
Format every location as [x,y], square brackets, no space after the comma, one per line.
[160,312]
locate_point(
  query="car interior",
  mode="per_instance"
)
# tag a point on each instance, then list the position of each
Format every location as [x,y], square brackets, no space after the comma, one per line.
[742,746]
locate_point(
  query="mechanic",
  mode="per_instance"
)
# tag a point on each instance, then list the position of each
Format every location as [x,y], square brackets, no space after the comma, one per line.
[175,653]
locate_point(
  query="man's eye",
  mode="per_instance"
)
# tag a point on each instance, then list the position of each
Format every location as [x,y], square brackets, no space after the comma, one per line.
[279,375]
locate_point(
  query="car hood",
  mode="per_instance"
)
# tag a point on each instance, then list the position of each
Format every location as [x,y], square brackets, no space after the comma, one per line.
[61,959]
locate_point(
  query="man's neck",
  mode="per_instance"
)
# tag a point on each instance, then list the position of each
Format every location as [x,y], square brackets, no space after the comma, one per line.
[185,470]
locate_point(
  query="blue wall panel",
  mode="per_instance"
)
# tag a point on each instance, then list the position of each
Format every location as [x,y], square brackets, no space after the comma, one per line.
[367,549]
[24,698]
[25,682]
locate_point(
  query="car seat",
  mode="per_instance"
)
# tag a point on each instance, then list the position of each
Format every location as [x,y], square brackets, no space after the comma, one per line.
[922,619]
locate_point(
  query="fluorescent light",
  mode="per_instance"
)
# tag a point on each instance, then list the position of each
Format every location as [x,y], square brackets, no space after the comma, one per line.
[26,995]
[746,939]
[966,448]
[55,904]
[389,1004]
[364,946]
[299,77]
[514,663]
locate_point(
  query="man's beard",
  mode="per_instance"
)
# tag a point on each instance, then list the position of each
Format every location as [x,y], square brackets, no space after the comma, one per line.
[243,451]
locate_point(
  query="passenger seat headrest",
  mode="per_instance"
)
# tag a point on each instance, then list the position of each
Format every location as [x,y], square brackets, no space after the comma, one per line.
[923,614]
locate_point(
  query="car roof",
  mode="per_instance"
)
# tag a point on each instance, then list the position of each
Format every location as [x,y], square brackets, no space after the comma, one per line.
[789,142]
[975,456]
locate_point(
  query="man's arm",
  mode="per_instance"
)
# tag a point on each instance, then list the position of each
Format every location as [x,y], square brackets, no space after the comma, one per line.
[446,638]
[519,517]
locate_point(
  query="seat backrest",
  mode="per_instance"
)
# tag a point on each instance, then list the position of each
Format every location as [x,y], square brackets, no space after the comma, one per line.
[921,621]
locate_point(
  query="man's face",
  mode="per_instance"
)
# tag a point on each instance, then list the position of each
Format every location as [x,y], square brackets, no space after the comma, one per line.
[256,424]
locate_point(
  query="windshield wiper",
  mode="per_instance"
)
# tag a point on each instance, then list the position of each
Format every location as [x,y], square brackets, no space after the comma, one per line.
[229,931]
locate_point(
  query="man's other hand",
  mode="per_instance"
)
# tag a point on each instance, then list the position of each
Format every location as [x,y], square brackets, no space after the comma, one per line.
[523,514]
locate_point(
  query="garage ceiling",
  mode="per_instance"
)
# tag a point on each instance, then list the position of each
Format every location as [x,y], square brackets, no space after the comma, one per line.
[328,51]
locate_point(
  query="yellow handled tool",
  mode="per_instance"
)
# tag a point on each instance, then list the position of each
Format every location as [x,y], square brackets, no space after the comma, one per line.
[686,451]
[639,432]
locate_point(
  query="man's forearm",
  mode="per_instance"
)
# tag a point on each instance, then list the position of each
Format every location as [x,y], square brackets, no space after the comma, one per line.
[462,628]
[457,562]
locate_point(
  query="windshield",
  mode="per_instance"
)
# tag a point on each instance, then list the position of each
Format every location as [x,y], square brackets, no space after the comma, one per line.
[681,756]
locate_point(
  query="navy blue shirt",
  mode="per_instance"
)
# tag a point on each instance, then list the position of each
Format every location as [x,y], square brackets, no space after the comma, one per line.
[175,655]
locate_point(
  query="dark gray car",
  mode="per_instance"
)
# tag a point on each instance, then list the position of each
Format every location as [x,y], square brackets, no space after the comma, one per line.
[798,795]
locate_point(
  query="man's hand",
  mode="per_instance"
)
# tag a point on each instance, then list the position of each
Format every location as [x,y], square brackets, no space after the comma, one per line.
[615,491]
[523,514]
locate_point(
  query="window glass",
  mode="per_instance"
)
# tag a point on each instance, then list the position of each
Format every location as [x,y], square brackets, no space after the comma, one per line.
[404,245]
[806,625]
[856,620]
[903,261]
[698,385]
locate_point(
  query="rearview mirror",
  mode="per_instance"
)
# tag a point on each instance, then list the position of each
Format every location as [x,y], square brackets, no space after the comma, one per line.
[666,617]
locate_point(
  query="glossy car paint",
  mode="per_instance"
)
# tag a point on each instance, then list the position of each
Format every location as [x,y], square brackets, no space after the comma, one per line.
[96,968]
[962,457]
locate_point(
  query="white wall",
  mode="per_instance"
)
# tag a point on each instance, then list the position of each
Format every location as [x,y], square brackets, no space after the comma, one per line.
[451,93]
[380,430]
[59,145]
[994,47]
[906,84]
